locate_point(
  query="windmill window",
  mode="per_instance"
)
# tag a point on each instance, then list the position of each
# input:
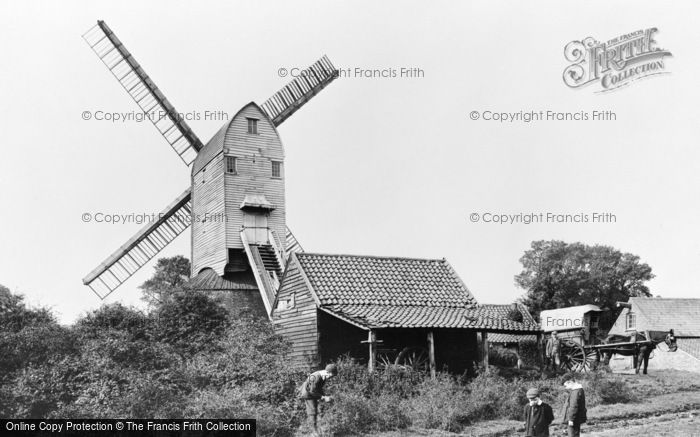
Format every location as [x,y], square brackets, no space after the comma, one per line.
[204,175]
[231,165]
[631,321]
[253,126]
[276,169]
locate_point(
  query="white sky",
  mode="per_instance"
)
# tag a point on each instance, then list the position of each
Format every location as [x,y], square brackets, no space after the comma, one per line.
[374,166]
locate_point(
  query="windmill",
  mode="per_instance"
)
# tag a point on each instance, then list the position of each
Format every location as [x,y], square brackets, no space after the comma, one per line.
[236,200]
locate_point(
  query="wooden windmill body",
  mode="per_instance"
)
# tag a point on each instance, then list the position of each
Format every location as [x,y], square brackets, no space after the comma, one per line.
[236,202]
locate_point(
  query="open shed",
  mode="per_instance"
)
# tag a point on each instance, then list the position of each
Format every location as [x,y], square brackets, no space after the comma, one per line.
[386,310]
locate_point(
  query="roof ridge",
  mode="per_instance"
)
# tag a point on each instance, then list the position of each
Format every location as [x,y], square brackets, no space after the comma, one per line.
[302,254]
[394,305]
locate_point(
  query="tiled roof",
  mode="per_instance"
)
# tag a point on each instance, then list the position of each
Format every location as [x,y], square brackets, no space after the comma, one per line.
[402,316]
[369,280]
[510,338]
[382,292]
[681,315]
[503,312]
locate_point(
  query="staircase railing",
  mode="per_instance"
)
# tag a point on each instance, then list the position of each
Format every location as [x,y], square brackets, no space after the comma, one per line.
[262,278]
[277,248]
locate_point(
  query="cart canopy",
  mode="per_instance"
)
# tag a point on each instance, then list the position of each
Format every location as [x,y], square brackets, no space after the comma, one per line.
[566,319]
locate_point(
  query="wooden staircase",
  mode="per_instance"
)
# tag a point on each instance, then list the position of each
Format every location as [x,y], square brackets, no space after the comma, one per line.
[266,261]
[269,259]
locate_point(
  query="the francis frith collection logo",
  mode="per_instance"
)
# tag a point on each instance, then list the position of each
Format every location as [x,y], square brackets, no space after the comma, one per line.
[614,63]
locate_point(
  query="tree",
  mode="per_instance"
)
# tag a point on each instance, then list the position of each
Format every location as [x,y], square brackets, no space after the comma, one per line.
[31,342]
[14,314]
[557,274]
[169,277]
[115,317]
[191,321]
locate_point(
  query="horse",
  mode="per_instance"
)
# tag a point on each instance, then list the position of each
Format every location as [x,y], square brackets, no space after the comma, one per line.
[638,346]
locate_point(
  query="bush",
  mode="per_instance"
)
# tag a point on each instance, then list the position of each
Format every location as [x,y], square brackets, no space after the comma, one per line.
[365,402]
[441,403]
[529,353]
[114,317]
[191,322]
[502,356]
[604,388]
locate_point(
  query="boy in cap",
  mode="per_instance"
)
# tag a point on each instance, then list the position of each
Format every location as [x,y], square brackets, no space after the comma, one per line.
[312,392]
[538,415]
[574,409]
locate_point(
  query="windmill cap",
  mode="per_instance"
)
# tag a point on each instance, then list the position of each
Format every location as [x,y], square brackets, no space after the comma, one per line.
[332,369]
[533,393]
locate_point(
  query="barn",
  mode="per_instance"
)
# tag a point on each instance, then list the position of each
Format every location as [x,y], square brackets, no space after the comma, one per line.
[659,314]
[385,310]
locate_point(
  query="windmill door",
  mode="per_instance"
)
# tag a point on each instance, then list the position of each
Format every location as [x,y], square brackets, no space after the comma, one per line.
[255,225]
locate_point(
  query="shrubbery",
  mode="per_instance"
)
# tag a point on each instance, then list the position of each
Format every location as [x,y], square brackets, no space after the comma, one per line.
[396,399]
[186,358]
[605,388]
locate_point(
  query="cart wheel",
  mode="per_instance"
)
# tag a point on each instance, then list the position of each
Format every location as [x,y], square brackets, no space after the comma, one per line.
[384,362]
[576,358]
[414,358]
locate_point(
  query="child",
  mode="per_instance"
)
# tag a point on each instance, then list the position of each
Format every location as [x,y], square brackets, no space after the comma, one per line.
[312,392]
[574,409]
[538,415]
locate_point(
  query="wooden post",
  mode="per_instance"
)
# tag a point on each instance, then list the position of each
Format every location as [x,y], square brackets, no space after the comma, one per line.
[431,353]
[372,340]
[485,351]
[540,352]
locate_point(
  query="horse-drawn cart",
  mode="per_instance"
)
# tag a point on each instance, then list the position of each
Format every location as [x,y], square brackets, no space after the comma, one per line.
[582,340]
[577,357]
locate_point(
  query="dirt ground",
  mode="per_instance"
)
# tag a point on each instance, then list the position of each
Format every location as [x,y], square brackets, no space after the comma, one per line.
[685,424]
[669,407]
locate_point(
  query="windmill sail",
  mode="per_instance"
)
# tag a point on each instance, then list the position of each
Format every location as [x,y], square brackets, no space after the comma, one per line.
[144,92]
[293,96]
[143,246]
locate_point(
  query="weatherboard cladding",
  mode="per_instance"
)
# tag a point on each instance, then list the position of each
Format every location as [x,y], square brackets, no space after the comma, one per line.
[298,322]
[384,292]
[208,235]
[690,345]
[209,280]
[254,155]
[213,147]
